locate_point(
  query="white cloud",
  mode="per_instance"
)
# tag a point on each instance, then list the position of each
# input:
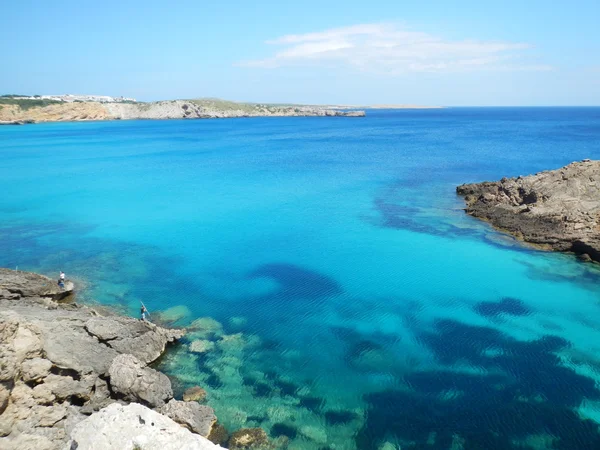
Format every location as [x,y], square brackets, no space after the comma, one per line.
[385,48]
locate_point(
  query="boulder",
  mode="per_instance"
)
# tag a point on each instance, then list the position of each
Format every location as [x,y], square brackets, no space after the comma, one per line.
[205,327]
[73,348]
[127,427]
[35,369]
[129,377]
[218,434]
[194,394]
[195,417]
[64,386]
[201,346]
[249,438]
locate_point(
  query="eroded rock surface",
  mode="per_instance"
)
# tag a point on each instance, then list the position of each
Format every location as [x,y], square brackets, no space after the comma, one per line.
[558,209]
[55,360]
[134,426]
[136,382]
[197,418]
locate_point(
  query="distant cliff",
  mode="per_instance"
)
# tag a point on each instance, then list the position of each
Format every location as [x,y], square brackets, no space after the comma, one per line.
[19,110]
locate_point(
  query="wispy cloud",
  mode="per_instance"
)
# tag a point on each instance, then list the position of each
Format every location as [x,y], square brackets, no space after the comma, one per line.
[386,48]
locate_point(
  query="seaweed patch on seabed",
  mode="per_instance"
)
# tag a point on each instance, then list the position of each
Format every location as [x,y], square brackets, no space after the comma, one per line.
[297,282]
[506,306]
[565,269]
[525,393]
[297,287]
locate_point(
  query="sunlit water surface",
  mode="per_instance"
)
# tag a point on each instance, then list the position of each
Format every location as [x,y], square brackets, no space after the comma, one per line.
[353,304]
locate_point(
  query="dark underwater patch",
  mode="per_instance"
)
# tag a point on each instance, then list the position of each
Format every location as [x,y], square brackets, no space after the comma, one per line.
[522,390]
[286,388]
[507,305]
[248,381]
[262,390]
[339,417]
[270,344]
[257,419]
[281,429]
[214,381]
[313,404]
[298,282]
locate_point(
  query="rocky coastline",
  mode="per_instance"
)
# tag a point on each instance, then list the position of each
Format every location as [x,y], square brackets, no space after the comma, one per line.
[21,112]
[554,210]
[73,377]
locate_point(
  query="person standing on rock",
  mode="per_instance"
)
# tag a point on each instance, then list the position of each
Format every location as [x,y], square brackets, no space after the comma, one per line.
[61,279]
[143,312]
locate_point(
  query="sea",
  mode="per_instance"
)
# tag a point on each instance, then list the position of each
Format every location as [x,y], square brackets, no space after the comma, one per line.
[336,293]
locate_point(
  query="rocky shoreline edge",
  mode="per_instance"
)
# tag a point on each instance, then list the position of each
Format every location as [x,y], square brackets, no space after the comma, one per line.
[553,210]
[73,377]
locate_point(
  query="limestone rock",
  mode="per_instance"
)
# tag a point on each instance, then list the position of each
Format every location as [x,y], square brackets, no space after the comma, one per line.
[206,326]
[129,377]
[558,209]
[27,284]
[73,348]
[201,346]
[125,427]
[144,340]
[174,314]
[249,438]
[197,418]
[63,386]
[43,394]
[35,369]
[194,394]
[218,434]
[4,396]
[27,441]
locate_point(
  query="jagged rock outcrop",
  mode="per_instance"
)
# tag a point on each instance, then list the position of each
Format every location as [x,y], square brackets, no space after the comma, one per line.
[55,362]
[16,284]
[197,418]
[136,382]
[134,426]
[558,209]
[132,337]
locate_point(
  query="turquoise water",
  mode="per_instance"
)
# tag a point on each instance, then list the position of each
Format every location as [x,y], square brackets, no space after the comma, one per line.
[354,304]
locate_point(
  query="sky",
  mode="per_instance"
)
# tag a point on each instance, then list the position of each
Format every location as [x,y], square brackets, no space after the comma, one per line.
[351,52]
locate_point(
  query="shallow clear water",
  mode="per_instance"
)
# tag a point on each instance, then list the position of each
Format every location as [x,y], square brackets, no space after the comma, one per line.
[356,304]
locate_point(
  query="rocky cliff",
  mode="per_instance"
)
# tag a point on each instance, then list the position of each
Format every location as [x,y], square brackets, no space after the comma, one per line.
[557,210]
[60,363]
[23,112]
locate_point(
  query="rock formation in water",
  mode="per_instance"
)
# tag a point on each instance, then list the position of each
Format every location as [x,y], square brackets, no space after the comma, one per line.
[557,210]
[60,363]
[18,111]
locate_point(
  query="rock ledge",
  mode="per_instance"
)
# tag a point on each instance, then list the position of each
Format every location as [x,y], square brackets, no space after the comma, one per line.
[61,362]
[557,210]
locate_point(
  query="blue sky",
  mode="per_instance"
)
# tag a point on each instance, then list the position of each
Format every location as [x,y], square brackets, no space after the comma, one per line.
[347,52]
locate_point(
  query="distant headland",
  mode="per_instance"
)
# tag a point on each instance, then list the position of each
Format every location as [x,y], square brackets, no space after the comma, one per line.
[22,109]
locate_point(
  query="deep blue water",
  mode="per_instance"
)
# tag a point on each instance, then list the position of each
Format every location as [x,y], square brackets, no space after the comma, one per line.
[357,305]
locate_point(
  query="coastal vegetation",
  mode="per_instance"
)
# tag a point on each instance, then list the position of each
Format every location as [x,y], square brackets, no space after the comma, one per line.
[26,104]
